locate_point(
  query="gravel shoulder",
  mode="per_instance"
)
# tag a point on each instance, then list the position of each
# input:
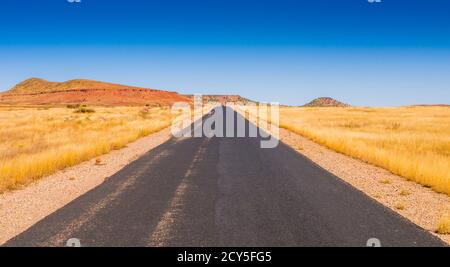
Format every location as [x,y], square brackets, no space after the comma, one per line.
[20,209]
[419,204]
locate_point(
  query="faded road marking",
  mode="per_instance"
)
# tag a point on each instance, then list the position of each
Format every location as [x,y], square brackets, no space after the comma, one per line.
[164,226]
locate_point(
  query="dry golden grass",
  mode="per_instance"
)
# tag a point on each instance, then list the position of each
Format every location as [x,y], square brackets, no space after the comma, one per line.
[413,142]
[444,226]
[36,142]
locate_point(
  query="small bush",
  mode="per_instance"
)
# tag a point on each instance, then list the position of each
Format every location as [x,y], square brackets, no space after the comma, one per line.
[73,106]
[84,110]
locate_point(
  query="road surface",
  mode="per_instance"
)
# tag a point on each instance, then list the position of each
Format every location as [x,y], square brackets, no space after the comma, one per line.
[223,192]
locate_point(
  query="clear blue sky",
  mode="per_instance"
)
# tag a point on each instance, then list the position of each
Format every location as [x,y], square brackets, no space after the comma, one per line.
[395,52]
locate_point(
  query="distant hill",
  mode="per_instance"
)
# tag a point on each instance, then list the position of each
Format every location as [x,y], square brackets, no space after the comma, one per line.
[37,91]
[326,102]
[224,99]
[36,85]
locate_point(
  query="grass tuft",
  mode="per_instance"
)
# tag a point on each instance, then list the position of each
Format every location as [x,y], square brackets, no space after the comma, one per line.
[400,206]
[444,226]
[405,193]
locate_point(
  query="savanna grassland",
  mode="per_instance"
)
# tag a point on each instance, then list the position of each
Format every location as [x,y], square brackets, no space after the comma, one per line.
[37,141]
[413,142]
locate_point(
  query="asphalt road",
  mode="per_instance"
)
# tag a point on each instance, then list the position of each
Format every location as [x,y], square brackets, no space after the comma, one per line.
[223,192]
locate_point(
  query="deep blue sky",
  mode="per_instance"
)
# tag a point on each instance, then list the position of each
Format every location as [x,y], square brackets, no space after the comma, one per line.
[391,53]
